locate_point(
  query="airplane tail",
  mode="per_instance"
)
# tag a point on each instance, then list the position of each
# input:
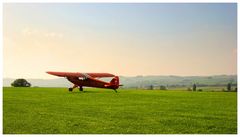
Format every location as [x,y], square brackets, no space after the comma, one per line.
[115,81]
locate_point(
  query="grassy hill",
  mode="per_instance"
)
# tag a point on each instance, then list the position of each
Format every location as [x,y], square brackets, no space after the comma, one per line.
[101,111]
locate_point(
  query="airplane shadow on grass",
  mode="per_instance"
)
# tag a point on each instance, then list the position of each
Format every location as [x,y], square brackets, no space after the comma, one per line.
[92,91]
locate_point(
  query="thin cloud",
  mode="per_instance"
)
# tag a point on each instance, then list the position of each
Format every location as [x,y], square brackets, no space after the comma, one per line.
[40,33]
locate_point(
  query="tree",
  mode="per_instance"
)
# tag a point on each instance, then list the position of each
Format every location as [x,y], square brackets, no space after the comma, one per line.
[21,83]
[229,87]
[194,87]
[151,87]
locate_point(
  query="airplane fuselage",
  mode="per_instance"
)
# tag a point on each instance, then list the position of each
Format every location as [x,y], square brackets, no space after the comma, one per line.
[89,80]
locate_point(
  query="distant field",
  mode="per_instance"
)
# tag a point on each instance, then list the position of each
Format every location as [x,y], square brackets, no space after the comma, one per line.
[100,111]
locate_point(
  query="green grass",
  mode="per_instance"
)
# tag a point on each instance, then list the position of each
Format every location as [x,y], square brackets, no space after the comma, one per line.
[101,111]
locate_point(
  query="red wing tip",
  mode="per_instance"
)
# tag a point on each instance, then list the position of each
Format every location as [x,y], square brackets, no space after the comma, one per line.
[49,72]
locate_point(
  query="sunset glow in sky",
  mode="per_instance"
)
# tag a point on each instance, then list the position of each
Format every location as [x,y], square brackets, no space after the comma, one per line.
[123,39]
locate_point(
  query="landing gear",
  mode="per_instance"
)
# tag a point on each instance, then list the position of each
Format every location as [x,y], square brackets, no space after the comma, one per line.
[80,88]
[71,89]
[75,86]
[115,90]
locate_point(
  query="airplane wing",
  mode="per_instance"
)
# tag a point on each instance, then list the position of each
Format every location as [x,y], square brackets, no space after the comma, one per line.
[77,74]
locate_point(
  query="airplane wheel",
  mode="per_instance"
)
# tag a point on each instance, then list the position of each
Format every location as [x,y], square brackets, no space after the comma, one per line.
[81,88]
[70,89]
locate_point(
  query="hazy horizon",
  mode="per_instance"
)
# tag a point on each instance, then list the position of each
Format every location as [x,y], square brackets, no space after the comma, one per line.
[123,39]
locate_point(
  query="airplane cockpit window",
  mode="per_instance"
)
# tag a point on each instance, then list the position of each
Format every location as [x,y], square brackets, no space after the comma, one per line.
[81,78]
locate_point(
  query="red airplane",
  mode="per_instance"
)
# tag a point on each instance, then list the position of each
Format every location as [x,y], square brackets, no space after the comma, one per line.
[89,80]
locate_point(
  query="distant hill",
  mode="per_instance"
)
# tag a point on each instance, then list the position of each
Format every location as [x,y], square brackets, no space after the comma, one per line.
[59,82]
[141,81]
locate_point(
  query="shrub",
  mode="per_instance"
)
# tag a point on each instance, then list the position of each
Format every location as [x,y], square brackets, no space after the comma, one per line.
[163,88]
[20,83]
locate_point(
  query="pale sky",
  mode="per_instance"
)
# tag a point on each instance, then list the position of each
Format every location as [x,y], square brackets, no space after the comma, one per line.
[123,39]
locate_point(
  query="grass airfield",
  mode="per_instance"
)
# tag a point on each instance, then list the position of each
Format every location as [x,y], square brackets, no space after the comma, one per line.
[102,111]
